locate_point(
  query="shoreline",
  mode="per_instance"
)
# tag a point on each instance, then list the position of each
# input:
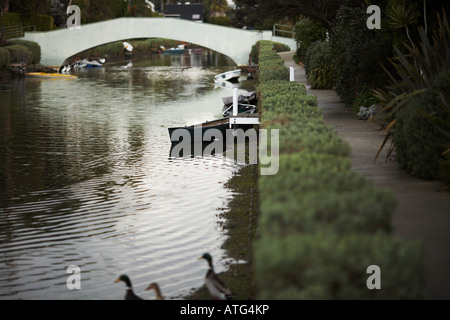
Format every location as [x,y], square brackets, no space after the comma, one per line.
[240,226]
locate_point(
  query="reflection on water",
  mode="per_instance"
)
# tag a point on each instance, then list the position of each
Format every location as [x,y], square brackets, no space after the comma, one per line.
[85,179]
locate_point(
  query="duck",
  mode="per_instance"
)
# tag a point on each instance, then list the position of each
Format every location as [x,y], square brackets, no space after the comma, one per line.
[130,295]
[216,287]
[155,286]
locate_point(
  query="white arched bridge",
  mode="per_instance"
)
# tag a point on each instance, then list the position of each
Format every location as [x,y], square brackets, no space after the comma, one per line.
[58,45]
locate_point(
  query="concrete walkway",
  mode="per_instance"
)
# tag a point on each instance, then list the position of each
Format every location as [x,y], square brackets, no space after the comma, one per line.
[423,208]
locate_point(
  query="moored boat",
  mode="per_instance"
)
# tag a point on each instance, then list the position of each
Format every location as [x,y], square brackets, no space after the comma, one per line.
[51,75]
[197,132]
[242,108]
[231,76]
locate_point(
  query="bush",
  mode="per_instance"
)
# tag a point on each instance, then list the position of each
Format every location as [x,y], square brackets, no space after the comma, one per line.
[267,45]
[41,22]
[325,265]
[19,54]
[417,141]
[5,58]
[319,65]
[307,32]
[222,21]
[34,48]
[358,53]
[321,224]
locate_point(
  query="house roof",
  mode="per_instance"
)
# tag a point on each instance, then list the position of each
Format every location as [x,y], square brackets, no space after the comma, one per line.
[185,11]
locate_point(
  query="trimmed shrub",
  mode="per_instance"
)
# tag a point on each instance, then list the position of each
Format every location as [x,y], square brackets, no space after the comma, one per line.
[319,65]
[221,21]
[5,58]
[34,48]
[19,54]
[321,224]
[325,265]
[41,22]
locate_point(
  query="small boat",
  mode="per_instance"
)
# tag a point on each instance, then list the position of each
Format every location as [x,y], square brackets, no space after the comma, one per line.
[246,97]
[86,63]
[242,108]
[93,64]
[51,75]
[231,76]
[179,49]
[219,124]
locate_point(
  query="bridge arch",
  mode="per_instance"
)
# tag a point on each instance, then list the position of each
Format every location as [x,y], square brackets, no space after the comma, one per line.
[58,45]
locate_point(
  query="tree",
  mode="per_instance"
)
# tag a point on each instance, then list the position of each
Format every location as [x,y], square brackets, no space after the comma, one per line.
[269,12]
[4,6]
[28,6]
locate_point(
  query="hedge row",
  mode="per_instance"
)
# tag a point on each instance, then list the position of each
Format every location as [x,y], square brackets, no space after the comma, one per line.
[5,58]
[322,225]
[19,54]
[270,66]
[41,22]
[33,47]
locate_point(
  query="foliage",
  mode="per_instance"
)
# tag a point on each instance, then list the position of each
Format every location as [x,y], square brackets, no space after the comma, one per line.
[365,99]
[324,265]
[262,14]
[116,48]
[270,65]
[268,45]
[5,58]
[358,52]
[417,92]
[41,22]
[19,53]
[322,224]
[308,31]
[222,21]
[34,48]
[319,65]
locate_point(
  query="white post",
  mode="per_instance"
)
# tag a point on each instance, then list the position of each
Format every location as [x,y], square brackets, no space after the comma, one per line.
[235,102]
[291,74]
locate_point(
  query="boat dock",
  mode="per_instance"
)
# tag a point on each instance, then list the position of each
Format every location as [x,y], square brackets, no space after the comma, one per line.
[242,118]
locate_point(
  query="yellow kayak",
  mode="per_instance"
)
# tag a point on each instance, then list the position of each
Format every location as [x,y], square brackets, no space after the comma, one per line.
[51,75]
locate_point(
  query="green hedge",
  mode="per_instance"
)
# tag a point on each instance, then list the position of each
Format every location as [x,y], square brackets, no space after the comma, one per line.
[19,54]
[358,53]
[34,48]
[319,65]
[307,32]
[321,224]
[5,58]
[278,47]
[270,66]
[325,265]
[418,143]
[41,22]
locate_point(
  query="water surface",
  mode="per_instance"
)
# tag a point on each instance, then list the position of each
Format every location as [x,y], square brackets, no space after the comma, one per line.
[86,179]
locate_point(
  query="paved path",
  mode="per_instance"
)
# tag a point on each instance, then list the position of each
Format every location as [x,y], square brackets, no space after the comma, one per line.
[423,209]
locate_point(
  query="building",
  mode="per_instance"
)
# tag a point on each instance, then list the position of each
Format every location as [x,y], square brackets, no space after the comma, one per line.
[193,12]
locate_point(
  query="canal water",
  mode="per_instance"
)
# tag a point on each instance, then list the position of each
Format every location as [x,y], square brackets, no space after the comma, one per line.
[86,179]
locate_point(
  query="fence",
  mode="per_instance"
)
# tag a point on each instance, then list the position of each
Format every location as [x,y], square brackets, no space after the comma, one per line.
[17,31]
[282,30]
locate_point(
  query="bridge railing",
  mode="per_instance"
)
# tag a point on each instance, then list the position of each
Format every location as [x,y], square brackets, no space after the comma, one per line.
[17,31]
[281,30]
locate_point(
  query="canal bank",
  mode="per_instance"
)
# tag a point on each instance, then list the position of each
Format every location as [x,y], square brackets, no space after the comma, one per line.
[422,206]
[239,224]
